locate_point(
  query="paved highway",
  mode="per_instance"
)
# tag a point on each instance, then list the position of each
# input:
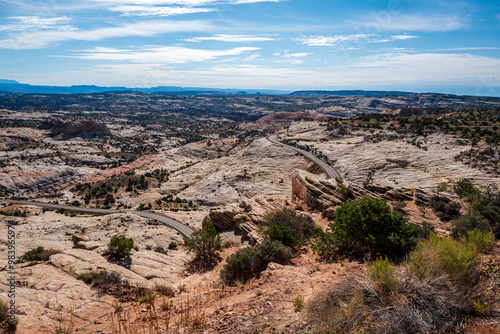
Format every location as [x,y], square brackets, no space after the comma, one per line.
[183,229]
[329,170]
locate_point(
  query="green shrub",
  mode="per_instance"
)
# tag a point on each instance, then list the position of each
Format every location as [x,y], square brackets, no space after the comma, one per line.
[343,189]
[399,206]
[120,246]
[245,206]
[227,244]
[250,261]
[160,249]
[442,256]
[166,291]
[381,272]
[38,254]
[148,297]
[283,234]
[288,227]
[482,240]
[445,208]
[366,225]
[469,222]
[328,214]
[271,251]
[6,323]
[172,245]
[205,244]
[440,288]
[239,267]
[484,200]
[298,302]
[325,245]
[465,188]
[425,230]
[100,279]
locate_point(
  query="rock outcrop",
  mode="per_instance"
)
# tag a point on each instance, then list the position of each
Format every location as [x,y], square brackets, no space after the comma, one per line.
[321,194]
[283,117]
[315,191]
[28,181]
[69,129]
[245,218]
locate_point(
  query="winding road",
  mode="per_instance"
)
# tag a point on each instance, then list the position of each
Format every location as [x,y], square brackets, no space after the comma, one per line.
[183,229]
[330,172]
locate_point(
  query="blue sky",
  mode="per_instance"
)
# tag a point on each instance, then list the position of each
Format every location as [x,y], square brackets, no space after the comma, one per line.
[413,45]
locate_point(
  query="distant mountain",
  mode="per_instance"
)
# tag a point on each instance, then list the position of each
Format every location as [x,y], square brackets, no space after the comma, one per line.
[10,82]
[15,87]
[317,93]
[210,93]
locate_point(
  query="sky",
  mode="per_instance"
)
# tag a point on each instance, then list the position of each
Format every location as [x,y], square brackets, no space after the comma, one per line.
[408,45]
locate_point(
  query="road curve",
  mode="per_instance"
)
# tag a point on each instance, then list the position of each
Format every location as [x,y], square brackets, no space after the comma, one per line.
[183,229]
[330,172]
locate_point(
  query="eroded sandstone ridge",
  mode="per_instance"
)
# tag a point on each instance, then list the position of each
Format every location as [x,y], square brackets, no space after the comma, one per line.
[244,216]
[313,190]
[31,180]
[48,291]
[69,129]
[319,193]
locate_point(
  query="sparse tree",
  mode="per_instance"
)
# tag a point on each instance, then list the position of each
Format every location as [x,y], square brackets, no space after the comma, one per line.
[205,244]
[121,246]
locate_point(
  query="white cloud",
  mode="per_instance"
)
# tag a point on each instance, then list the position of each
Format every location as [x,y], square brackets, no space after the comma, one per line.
[291,55]
[398,71]
[290,61]
[350,39]
[25,23]
[300,54]
[402,37]
[41,39]
[231,38]
[253,1]
[472,48]
[331,40]
[393,38]
[251,57]
[426,69]
[404,22]
[160,54]
[290,58]
[159,11]
[182,2]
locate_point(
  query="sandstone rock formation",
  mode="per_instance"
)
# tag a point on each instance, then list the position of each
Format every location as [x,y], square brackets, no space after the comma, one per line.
[31,180]
[391,159]
[82,128]
[321,194]
[48,291]
[283,117]
[245,216]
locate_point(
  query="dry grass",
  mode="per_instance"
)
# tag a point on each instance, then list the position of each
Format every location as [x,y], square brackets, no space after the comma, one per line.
[445,257]
[436,291]
[415,307]
[162,314]
[6,324]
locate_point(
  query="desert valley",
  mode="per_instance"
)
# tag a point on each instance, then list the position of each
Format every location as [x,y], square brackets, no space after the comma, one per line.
[263,181]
